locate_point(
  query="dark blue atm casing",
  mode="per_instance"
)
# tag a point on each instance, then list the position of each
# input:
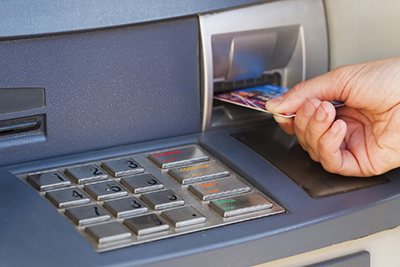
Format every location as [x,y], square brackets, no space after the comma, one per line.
[115,78]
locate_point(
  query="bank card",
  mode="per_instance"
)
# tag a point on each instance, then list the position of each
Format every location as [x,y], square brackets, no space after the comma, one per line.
[256,97]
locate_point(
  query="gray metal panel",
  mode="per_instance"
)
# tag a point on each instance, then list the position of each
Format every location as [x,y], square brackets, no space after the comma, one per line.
[33,17]
[106,88]
[49,240]
[17,99]
[361,259]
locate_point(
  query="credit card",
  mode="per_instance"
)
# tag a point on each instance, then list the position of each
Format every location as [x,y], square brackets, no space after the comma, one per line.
[256,97]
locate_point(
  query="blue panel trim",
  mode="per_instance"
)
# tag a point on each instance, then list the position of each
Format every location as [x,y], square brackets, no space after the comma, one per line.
[107,88]
[19,17]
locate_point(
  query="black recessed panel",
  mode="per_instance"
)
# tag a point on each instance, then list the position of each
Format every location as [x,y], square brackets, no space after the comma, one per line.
[286,154]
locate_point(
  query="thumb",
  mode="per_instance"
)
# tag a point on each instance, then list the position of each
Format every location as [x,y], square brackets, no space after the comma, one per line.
[324,88]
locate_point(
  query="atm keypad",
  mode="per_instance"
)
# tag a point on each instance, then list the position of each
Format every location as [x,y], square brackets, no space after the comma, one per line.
[148,196]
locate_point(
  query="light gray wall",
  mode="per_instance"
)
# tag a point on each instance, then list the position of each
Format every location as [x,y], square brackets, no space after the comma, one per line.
[363,30]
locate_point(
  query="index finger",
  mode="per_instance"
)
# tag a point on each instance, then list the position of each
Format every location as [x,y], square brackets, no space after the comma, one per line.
[327,87]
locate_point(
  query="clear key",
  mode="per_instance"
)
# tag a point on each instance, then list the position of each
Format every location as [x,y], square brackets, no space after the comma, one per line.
[218,188]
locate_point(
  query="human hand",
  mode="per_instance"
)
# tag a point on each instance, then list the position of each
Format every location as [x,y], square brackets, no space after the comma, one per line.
[359,139]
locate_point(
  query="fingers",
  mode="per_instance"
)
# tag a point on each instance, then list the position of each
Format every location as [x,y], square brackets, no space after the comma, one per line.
[285,123]
[323,137]
[331,151]
[311,123]
[324,87]
[334,156]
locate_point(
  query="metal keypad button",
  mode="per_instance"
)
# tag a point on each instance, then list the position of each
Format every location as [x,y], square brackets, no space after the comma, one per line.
[198,172]
[48,180]
[125,207]
[122,167]
[86,174]
[183,216]
[142,183]
[146,224]
[177,157]
[218,188]
[68,197]
[108,232]
[105,190]
[85,215]
[241,204]
[162,199]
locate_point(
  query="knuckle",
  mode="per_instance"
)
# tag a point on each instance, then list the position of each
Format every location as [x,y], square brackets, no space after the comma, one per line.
[314,157]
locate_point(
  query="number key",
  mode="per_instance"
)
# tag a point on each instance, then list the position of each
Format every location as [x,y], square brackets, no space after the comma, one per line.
[48,180]
[125,207]
[86,174]
[88,214]
[122,167]
[68,197]
[142,183]
[163,199]
[105,190]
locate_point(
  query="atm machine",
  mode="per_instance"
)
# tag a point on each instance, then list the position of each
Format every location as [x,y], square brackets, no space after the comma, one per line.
[114,152]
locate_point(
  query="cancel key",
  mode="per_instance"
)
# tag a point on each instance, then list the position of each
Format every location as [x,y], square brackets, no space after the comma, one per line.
[178,157]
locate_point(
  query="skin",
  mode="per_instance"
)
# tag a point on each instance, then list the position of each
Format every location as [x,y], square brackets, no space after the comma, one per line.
[360,139]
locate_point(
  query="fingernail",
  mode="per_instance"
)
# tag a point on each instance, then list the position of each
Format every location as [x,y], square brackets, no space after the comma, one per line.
[309,109]
[273,102]
[321,114]
[335,128]
[281,120]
